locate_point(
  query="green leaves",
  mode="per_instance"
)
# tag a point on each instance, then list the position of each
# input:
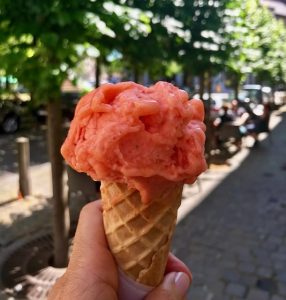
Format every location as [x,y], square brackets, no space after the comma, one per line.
[49,40]
[38,38]
[256,41]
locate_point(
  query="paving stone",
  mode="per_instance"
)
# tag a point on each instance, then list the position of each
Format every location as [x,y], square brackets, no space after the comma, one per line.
[277,297]
[279,256]
[223,297]
[281,276]
[248,280]
[245,258]
[270,246]
[282,246]
[216,287]
[282,289]
[246,268]
[274,240]
[261,254]
[256,294]
[229,263]
[279,266]
[199,293]
[235,289]
[231,275]
[267,284]
[264,272]
[199,278]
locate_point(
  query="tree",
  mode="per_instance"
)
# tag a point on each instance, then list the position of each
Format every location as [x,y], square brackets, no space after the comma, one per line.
[272,38]
[201,49]
[204,52]
[145,44]
[256,43]
[40,42]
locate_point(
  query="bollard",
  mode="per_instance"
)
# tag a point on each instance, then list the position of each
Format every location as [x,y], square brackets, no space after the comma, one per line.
[23,165]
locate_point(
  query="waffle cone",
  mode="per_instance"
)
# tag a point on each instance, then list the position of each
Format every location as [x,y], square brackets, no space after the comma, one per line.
[139,235]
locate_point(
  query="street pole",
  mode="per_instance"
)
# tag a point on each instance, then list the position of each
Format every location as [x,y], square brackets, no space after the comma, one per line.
[23,147]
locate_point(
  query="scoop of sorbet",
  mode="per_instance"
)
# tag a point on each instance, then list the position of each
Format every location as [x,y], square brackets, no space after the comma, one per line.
[144,137]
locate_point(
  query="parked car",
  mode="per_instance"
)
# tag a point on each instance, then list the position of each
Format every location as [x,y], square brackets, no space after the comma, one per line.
[69,102]
[12,114]
[15,112]
[256,94]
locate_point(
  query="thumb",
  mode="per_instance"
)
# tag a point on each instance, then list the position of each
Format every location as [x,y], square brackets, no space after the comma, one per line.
[174,287]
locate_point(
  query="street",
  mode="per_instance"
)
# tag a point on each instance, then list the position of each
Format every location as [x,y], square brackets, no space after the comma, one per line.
[235,241]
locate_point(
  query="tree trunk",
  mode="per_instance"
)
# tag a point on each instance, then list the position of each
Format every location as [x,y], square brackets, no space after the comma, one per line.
[236,85]
[97,72]
[208,119]
[60,206]
[136,74]
[209,84]
[202,85]
[7,84]
[186,77]
[207,102]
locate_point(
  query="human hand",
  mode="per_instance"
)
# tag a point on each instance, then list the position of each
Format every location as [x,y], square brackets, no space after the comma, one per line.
[92,272]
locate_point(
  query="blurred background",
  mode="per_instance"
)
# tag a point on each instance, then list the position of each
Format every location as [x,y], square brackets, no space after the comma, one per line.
[230,53]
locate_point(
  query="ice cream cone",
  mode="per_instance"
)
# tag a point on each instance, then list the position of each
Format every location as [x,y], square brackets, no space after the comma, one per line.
[139,235]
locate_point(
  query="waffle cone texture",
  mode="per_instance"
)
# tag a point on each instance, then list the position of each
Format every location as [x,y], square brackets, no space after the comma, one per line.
[139,235]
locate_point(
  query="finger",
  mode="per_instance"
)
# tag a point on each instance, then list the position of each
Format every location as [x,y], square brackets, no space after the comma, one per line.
[91,262]
[90,232]
[174,287]
[174,264]
[176,283]
[89,237]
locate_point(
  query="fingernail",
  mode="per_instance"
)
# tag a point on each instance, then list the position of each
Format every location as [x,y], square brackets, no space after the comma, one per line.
[177,282]
[182,283]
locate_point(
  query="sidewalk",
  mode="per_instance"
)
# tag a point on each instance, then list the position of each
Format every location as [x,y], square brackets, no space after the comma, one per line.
[40,180]
[19,218]
[235,240]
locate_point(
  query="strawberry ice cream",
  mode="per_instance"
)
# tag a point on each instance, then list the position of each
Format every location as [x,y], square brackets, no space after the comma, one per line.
[144,137]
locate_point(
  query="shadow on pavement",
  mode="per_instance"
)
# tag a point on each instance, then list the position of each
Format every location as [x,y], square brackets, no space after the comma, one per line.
[23,218]
[8,149]
[235,240]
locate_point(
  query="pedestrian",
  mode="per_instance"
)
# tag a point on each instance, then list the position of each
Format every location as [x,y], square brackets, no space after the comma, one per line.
[258,121]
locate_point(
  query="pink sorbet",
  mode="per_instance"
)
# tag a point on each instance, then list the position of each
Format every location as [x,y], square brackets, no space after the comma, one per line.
[145,137]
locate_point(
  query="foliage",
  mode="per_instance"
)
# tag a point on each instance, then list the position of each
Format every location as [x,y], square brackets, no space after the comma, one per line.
[256,42]
[202,47]
[40,41]
[148,48]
